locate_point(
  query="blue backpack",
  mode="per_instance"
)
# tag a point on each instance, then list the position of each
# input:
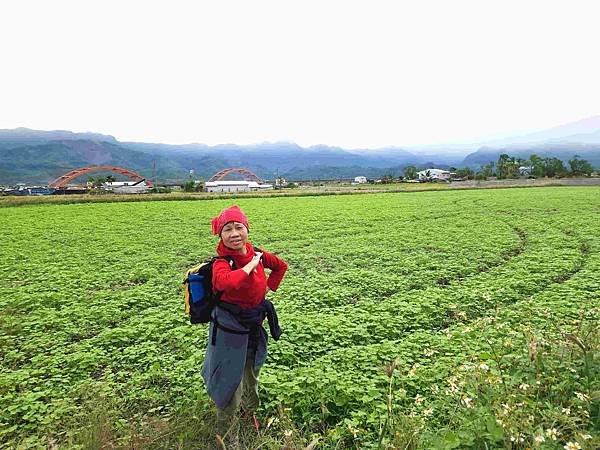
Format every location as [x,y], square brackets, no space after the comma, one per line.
[200,298]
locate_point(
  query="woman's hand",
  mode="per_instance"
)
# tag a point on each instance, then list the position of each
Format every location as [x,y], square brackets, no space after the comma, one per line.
[251,266]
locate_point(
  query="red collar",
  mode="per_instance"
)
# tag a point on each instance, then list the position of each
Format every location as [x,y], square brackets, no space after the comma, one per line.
[222,250]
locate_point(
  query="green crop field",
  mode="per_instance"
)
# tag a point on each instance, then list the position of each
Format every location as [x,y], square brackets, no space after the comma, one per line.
[450,319]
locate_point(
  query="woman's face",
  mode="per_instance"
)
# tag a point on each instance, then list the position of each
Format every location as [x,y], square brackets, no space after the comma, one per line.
[234,235]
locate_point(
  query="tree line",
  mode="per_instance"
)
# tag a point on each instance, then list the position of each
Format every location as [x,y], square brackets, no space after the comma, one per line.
[513,167]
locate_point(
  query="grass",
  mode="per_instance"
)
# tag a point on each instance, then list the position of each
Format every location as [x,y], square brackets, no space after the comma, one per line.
[334,189]
[474,296]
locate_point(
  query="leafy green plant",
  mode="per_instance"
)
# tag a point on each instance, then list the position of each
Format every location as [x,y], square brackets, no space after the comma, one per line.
[458,287]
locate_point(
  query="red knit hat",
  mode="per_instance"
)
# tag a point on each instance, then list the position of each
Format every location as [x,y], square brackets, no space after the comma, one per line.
[232,214]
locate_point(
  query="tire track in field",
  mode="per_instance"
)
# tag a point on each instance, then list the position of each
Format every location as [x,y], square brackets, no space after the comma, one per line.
[505,258]
[363,361]
[430,316]
[362,365]
[415,286]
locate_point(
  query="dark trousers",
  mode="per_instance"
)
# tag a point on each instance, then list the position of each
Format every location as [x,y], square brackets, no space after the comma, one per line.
[246,397]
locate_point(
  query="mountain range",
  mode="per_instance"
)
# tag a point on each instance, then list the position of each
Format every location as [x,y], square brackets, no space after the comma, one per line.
[38,157]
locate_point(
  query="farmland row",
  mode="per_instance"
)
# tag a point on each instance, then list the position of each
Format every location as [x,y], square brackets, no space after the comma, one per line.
[89,299]
[376,318]
[350,381]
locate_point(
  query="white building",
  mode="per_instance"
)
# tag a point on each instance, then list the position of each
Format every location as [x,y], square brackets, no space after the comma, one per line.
[235,186]
[126,187]
[434,175]
[360,180]
[525,171]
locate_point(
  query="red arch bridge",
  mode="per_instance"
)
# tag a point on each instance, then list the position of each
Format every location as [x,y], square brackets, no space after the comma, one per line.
[247,174]
[62,181]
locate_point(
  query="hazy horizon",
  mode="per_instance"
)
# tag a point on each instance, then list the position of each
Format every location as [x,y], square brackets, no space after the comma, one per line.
[451,148]
[336,73]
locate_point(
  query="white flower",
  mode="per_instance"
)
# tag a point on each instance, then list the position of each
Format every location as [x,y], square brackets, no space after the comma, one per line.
[435,389]
[524,386]
[452,389]
[566,411]
[539,438]
[552,433]
[413,370]
[287,433]
[467,401]
[429,412]
[353,430]
[572,446]
[582,397]
[484,366]
[418,399]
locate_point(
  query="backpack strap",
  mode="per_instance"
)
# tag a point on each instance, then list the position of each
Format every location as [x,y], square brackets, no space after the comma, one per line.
[229,259]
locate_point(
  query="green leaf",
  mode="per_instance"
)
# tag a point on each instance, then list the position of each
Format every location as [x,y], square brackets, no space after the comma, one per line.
[495,430]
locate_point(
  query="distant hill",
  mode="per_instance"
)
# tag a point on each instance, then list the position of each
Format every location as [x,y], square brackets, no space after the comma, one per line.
[333,172]
[562,151]
[40,164]
[282,156]
[580,138]
[582,131]
[38,157]
[25,136]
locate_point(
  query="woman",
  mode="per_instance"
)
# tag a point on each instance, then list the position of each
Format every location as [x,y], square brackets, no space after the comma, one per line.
[237,346]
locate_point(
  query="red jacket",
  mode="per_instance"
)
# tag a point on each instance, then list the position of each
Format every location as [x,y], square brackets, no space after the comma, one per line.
[245,290]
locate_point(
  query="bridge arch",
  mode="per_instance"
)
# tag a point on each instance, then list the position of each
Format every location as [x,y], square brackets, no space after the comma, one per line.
[247,174]
[69,176]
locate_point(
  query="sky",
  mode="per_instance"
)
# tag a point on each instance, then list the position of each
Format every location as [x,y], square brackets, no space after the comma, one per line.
[355,74]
